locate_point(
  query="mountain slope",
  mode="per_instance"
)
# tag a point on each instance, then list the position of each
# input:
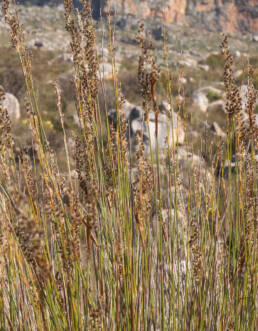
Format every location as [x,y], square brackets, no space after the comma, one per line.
[222,15]
[216,15]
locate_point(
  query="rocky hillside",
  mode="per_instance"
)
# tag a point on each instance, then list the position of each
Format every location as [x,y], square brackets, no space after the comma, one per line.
[193,60]
[230,16]
[223,15]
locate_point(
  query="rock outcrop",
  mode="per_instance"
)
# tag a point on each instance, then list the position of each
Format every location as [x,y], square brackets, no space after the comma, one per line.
[200,101]
[11,104]
[218,15]
[170,10]
[170,127]
[201,98]
[224,15]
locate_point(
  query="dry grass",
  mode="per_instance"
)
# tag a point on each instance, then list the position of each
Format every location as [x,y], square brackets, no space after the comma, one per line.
[117,242]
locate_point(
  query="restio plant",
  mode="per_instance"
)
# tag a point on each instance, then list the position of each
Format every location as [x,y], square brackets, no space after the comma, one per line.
[123,241]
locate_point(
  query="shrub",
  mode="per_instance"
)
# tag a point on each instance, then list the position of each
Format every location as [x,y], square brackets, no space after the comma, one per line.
[215,61]
[213,96]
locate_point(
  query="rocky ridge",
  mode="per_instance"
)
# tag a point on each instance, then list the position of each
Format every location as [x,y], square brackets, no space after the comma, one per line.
[196,66]
[230,16]
[217,15]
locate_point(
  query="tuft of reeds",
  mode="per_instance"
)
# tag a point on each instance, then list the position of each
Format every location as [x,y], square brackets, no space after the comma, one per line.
[124,241]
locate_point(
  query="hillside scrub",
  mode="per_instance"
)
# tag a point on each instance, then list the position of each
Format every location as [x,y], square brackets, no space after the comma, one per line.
[117,240]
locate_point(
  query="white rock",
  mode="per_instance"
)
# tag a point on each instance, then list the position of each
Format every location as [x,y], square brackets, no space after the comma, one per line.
[189,162]
[170,131]
[103,53]
[238,73]
[211,89]
[200,97]
[204,67]
[179,99]
[182,80]
[106,70]
[127,108]
[193,134]
[201,101]
[237,54]
[76,119]
[170,127]
[67,57]
[185,156]
[191,63]
[218,105]
[246,121]
[12,105]
[136,126]
[244,97]
[217,130]
[255,38]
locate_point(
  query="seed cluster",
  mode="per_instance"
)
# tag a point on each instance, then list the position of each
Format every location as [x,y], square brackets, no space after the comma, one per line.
[148,73]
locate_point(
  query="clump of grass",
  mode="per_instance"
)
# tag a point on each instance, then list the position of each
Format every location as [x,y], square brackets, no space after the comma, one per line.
[215,61]
[105,244]
[213,96]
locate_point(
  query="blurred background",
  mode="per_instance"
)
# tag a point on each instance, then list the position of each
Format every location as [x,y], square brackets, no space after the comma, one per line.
[190,30]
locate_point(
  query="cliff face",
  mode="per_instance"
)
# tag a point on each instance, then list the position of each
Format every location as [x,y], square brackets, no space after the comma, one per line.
[222,15]
[217,15]
[171,10]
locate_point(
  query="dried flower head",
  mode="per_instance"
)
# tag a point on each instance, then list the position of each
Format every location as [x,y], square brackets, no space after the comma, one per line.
[148,74]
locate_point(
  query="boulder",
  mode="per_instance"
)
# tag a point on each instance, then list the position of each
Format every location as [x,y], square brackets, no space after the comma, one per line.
[129,40]
[246,121]
[182,80]
[129,110]
[188,163]
[243,91]
[211,90]
[255,38]
[193,134]
[217,106]
[237,73]
[185,157]
[204,95]
[38,44]
[179,100]
[12,105]
[106,70]
[121,23]
[237,54]
[157,33]
[103,53]
[190,63]
[204,67]
[201,101]
[170,127]
[67,57]
[216,129]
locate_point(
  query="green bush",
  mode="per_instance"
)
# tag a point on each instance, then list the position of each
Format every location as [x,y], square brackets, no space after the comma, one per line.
[213,96]
[215,61]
